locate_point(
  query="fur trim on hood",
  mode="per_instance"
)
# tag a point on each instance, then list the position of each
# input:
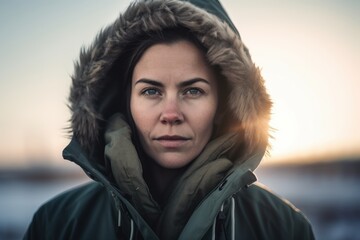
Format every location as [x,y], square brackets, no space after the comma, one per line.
[247,101]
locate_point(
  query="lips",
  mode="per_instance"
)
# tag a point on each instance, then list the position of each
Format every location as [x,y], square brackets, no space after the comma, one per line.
[173,141]
[172,138]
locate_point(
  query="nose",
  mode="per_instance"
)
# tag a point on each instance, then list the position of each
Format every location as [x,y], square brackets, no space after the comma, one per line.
[171,113]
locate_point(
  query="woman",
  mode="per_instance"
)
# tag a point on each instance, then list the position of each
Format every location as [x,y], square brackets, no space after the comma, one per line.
[169,117]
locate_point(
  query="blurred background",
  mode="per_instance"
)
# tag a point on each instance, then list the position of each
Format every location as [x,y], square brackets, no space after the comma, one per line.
[308,51]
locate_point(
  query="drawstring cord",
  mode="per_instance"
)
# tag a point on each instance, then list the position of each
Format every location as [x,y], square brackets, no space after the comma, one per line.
[213,237]
[221,217]
[132,229]
[232,218]
[117,205]
[221,214]
[131,225]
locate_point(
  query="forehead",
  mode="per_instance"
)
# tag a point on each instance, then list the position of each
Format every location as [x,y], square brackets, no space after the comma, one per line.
[178,60]
[182,48]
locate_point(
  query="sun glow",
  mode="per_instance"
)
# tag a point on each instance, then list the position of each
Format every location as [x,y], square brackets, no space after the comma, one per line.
[308,53]
[309,66]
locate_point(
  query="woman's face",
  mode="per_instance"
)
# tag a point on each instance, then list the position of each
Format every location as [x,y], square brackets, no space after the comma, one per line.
[173,102]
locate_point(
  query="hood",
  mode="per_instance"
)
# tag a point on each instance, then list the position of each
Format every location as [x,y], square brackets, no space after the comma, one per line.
[93,100]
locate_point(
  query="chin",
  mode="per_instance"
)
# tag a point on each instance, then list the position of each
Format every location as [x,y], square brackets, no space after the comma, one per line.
[173,161]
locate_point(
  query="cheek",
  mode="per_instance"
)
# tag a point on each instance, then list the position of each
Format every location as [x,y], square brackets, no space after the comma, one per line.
[137,113]
[203,119]
[143,116]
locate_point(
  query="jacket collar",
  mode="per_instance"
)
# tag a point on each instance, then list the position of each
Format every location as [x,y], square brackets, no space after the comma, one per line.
[74,153]
[237,179]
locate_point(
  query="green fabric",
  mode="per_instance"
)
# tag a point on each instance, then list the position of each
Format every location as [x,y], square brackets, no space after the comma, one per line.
[202,176]
[91,211]
[88,212]
[73,152]
[126,168]
[197,225]
[82,213]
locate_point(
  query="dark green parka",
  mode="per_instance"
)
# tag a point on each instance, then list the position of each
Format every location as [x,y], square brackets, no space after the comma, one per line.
[215,197]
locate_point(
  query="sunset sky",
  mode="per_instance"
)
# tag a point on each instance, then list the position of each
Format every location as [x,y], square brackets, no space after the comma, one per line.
[308,51]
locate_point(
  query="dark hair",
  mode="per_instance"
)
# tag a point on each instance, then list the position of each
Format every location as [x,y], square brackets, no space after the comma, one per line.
[167,36]
[116,94]
[135,50]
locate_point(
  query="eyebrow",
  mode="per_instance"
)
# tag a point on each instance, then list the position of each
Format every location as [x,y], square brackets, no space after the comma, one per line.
[181,84]
[149,81]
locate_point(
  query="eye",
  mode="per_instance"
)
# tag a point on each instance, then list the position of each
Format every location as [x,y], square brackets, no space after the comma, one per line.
[150,92]
[194,92]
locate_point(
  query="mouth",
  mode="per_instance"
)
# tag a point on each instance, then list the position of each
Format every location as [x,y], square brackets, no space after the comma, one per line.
[172,141]
[172,138]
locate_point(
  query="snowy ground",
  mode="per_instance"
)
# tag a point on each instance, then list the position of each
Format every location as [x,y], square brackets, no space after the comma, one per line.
[329,197]
[331,201]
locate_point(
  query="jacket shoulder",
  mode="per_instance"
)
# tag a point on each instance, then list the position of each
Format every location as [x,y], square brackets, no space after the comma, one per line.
[69,215]
[75,200]
[266,198]
[271,216]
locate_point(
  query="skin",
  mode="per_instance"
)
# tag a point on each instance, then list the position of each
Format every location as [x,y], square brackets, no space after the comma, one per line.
[173,103]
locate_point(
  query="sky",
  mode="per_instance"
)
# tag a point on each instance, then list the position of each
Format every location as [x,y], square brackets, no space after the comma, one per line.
[308,52]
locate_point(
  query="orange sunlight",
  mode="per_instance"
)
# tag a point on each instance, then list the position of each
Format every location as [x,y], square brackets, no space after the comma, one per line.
[310,69]
[309,57]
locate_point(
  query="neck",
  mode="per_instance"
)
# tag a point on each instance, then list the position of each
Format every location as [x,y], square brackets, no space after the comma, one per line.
[161,180]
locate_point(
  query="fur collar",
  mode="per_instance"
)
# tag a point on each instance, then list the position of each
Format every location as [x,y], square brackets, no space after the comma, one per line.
[248,102]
